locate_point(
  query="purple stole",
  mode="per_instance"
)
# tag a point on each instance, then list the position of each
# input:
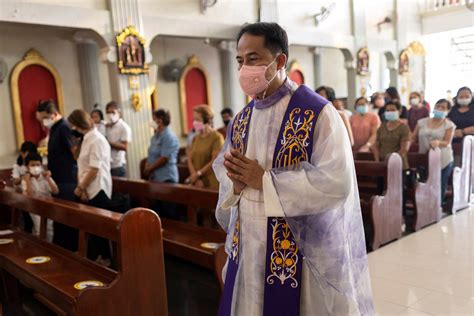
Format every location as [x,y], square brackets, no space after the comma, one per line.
[283,259]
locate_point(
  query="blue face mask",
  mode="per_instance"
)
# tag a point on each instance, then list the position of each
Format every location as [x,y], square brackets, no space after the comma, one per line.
[361,109]
[437,114]
[391,116]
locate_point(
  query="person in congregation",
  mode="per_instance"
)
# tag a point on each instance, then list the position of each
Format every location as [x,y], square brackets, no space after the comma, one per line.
[287,195]
[98,118]
[38,182]
[19,168]
[392,96]
[364,126]
[377,101]
[462,114]
[227,114]
[393,136]
[417,110]
[161,165]
[329,94]
[61,151]
[119,135]
[437,132]
[204,149]
[94,177]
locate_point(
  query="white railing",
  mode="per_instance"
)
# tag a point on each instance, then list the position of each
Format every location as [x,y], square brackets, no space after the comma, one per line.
[433,5]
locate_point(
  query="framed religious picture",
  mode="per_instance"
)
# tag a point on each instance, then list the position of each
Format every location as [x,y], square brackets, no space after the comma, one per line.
[363,61]
[403,62]
[131,52]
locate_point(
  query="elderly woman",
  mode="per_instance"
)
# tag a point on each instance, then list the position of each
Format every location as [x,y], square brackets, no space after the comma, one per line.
[94,179]
[462,114]
[204,149]
[417,111]
[437,132]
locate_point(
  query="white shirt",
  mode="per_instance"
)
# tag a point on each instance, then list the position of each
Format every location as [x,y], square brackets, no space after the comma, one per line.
[117,133]
[18,171]
[38,185]
[95,153]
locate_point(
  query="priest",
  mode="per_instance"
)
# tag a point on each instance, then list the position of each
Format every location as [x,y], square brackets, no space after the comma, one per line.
[288,196]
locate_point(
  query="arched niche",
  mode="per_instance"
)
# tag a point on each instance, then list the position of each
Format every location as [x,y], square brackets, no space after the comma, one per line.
[194,89]
[296,73]
[33,79]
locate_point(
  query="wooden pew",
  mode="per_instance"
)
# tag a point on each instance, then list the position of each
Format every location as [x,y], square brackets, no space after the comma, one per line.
[382,213]
[183,240]
[427,195]
[462,177]
[136,288]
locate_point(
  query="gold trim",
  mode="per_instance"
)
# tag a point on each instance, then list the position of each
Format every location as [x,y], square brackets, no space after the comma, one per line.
[416,48]
[32,57]
[361,72]
[193,63]
[295,66]
[154,99]
[120,38]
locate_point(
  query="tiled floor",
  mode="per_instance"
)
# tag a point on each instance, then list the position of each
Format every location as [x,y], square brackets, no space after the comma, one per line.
[430,272]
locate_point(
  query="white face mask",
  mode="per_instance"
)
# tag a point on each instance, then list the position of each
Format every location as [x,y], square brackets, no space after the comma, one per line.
[48,122]
[464,101]
[154,125]
[113,117]
[36,170]
[414,101]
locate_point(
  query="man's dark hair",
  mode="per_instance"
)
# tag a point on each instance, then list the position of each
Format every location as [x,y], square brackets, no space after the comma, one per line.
[34,156]
[113,105]
[164,116]
[47,106]
[227,111]
[397,104]
[393,93]
[330,93]
[275,36]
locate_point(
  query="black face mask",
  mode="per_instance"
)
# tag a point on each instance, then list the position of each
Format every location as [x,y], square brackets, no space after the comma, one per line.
[226,122]
[77,134]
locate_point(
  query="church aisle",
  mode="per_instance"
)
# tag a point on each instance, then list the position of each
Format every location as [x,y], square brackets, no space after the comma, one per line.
[429,272]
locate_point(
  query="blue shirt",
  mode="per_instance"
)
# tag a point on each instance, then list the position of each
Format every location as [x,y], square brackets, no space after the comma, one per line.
[61,162]
[164,144]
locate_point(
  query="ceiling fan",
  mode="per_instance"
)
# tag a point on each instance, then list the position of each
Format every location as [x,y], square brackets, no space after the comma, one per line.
[324,13]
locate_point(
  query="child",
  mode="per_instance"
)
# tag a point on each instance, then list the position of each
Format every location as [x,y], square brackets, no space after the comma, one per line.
[38,182]
[19,169]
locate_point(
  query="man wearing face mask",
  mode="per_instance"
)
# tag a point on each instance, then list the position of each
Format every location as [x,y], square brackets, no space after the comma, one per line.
[61,163]
[462,114]
[288,195]
[119,135]
[227,114]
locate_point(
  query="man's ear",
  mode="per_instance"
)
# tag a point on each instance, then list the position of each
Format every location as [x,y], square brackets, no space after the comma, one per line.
[281,61]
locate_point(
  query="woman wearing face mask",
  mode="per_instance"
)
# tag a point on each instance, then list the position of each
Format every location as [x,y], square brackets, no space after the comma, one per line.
[205,147]
[364,126]
[462,114]
[417,110]
[392,96]
[437,132]
[377,100]
[163,151]
[393,136]
[94,179]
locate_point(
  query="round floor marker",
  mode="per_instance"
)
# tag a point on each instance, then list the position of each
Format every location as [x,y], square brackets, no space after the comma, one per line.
[4,241]
[38,260]
[210,245]
[85,284]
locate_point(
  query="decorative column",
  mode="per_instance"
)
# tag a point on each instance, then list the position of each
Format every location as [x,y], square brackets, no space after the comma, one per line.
[268,11]
[87,51]
[131,92]
[232,94]
[318,75]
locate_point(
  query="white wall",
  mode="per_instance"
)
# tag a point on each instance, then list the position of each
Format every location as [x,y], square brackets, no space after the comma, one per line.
[377,13]
[225,11]
[165,49]
[86,4]
[334,73]
[57,50]
[305,59]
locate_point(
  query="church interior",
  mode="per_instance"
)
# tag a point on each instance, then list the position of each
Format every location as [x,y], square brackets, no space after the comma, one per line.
[153,76]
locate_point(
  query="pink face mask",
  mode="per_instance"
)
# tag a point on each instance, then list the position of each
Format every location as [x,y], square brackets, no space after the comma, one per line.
[198,126]
[253,81]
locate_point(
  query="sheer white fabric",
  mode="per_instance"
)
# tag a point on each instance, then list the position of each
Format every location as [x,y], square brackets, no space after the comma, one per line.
[320,201]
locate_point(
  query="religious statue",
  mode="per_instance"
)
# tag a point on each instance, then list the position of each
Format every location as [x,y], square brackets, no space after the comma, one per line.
[131,52]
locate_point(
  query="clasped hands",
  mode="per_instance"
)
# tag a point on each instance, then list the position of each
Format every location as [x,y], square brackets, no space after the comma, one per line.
[243,171]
